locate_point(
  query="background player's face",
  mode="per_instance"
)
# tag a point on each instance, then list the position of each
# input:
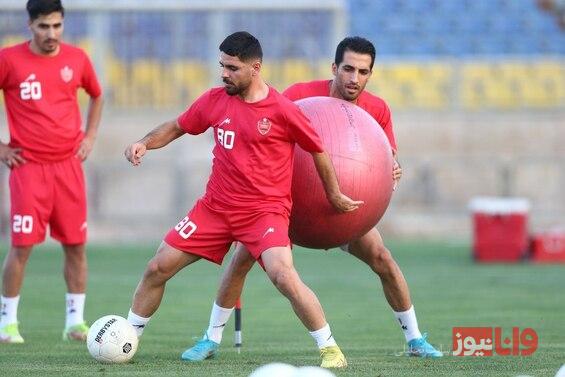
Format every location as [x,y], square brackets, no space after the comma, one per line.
[352,75]
[236,74]
[47,31]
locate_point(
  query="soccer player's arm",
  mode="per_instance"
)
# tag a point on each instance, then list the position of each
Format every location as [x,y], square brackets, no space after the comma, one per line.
[386,122]
[326,171]
[92,87]
[156,138]
[306,137]
[192,121]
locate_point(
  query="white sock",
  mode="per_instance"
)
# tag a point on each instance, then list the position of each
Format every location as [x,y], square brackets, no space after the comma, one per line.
[323,337]
[137,322]
[408,323]
[9,313]
[75,309]
[218,319]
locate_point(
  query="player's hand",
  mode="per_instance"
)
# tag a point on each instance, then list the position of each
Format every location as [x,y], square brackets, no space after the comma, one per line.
[135,152]
[396,170]
[11,157]
[343,203]
[396,173]
[85,148]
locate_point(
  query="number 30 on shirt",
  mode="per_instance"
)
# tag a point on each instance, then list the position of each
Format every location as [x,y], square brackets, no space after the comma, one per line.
[226,138]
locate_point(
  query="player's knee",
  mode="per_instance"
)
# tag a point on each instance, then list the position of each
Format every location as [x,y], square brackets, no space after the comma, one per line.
[285,280]
[155,272]
[381,260]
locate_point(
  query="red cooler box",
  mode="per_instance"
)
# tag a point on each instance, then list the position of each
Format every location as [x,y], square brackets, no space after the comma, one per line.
[549,246]
[500,229]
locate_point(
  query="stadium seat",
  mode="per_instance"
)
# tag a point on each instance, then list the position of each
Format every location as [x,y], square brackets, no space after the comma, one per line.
[190,78]
[10,40]
[118,83]
[151,84]
[296,70]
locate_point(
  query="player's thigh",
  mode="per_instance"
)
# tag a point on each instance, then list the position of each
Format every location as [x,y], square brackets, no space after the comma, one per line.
[31,203]
[241,262]
[368,247]
[68,218]
[169,260]
[203,232]
[261,231]
[277,258]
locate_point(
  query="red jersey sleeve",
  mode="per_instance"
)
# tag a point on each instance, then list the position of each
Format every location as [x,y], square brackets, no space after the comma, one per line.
[3,69]
[192,121]
[385,120]
[293,93]
[89,81]
[301,131]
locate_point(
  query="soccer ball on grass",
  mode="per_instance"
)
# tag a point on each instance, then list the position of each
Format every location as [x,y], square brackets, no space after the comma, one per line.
[112,339]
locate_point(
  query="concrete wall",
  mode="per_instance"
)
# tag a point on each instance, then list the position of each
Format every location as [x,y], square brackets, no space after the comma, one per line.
[447,159]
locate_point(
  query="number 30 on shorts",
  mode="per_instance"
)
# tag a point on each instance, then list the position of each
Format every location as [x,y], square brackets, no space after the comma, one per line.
[185,228]
[22,224]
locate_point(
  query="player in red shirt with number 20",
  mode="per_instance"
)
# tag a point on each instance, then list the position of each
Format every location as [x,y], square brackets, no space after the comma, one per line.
[248,197]
[40,79]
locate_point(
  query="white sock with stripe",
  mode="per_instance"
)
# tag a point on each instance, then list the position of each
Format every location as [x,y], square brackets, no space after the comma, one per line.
[218,319]
[75,309]
[9,313]
[408,324]
[323,337]
[137,322]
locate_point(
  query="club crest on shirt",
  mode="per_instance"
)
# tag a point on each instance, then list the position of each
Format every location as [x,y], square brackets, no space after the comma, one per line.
[66,74]
[264,125]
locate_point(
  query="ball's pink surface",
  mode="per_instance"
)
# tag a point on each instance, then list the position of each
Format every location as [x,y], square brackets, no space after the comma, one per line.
[362,157]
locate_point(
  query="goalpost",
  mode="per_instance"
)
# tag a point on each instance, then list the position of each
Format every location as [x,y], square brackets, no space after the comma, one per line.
[294,33]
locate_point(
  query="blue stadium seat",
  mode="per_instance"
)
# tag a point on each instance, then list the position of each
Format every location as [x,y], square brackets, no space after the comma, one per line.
[457,27]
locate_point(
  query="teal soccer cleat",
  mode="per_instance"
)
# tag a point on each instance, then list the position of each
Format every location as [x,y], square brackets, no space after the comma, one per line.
[420,347]
[202,350]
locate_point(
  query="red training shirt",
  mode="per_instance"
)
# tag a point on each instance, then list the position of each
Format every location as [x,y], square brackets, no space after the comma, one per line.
[254,152]
[40,93]
[372,104]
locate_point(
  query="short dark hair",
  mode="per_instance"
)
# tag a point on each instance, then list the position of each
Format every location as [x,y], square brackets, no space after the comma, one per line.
[36,8]
[242,45]
[355,44]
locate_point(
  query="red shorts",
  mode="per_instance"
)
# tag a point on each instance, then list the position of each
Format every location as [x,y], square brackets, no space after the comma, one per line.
[48,194]
[209,233]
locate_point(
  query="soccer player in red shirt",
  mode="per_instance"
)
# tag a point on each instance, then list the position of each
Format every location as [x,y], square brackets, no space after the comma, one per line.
[40,79]
[352,69]
[247,197]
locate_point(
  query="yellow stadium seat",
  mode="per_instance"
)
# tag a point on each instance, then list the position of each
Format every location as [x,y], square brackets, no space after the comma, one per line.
[151,84]
[296,70]
[190,78]
[473,89]
[118,83]
[11,40]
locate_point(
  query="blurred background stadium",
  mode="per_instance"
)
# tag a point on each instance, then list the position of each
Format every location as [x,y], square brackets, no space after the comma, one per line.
[477,90]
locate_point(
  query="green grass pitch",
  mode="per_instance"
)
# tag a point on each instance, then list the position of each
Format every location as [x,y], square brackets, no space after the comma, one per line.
[447,289]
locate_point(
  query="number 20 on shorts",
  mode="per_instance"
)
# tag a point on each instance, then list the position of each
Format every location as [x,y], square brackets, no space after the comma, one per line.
[22,224]
[185,228]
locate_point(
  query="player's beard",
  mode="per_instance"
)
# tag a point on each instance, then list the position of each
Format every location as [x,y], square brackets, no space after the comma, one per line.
[233,89]
[349,95]
[49,46]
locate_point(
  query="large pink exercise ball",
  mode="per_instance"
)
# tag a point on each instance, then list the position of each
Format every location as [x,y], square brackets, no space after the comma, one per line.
[362,158]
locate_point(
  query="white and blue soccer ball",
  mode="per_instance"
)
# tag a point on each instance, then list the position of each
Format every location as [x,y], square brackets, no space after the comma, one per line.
[112,339]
